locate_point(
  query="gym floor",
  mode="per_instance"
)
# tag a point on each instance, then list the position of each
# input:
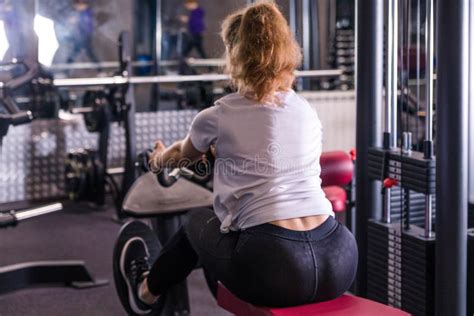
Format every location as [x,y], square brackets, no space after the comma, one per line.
[80,232]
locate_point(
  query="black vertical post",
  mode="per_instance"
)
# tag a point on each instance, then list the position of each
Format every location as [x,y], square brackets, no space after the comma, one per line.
[158,35]
[471,105]
[369,82]
[451,164]
[315,36]
[129,119]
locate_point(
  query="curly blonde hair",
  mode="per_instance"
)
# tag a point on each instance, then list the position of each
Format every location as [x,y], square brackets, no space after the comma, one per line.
[261,51]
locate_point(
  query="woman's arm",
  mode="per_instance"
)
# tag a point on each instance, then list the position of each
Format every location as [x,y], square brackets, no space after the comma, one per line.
[181,153]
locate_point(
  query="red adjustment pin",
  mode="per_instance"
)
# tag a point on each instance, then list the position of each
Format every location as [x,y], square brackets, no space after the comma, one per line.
[389,182]
[353,154]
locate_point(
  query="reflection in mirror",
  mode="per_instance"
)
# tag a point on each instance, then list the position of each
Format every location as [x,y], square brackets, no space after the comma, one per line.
[190,29]
[13,30]
[47,41]
[78,38]
[3,40]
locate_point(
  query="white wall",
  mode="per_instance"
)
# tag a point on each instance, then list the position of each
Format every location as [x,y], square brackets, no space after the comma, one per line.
[337,112]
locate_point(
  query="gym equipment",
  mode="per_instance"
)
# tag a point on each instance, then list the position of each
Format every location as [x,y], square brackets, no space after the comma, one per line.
[43,99]
[120,79]
[406,265]
[71,273]
[344,305]
[337,170]
[151,196]
[67,272]
[11,218]
[342,56]
[401,259]
[86,170]
[142,62]
[166,198]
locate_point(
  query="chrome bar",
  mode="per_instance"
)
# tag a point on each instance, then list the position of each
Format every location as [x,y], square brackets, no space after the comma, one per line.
[429,49]
[394,73]
[117,80]
[391,91]
[194,62]
[428,215]
[429,44]
[115,171]
[387,207]
[292,16]
[158,34]
[22,215]
[388,72]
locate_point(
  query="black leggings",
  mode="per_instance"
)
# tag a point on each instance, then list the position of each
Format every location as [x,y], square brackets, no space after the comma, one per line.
[265,265]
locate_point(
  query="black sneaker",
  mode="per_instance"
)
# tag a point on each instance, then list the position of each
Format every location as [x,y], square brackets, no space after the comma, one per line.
[133,266]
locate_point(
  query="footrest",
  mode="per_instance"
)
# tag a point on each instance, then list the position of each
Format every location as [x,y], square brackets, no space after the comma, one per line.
[337,196]
[344,305]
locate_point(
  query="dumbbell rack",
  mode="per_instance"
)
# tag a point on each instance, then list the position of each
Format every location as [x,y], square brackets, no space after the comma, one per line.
[400,257]
[342,56]
[470,272]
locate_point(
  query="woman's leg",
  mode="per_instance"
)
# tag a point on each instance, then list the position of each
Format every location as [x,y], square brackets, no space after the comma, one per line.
[175,263]
[199,238]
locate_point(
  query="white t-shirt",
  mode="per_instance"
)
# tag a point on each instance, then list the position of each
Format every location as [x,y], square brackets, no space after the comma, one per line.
[267,164]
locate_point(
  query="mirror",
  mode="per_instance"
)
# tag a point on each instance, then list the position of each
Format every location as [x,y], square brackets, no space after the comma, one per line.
[78,38]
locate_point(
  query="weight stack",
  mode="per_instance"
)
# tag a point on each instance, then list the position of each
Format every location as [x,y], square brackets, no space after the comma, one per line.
[417,207]
[418,272]
[470,272]
[384,263]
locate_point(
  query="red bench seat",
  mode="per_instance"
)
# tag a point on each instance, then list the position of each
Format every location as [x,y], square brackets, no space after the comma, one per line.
[337,196]
[345,305]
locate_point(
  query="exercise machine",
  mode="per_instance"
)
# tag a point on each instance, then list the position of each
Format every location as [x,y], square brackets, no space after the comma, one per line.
[165,198]
[420,268]
[65,272]
[71,273]
[86,170]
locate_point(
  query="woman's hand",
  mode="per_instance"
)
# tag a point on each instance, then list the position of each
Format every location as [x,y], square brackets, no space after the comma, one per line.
[156,157]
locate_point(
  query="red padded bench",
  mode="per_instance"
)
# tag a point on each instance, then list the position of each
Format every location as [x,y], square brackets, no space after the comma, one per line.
[337,196]
[345,305]
[337,168]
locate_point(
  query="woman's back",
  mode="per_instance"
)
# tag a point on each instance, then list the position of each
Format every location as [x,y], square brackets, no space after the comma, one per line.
[267,166]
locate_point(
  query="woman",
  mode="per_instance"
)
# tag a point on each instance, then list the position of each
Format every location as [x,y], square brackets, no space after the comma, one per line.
[272,238]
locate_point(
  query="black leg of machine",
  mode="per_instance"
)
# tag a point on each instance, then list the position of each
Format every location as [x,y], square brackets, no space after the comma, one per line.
[369,104]
[86,170]
[452,148]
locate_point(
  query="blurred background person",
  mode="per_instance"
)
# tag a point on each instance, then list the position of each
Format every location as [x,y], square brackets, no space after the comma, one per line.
[195,26]
[81,24]
[171,29]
